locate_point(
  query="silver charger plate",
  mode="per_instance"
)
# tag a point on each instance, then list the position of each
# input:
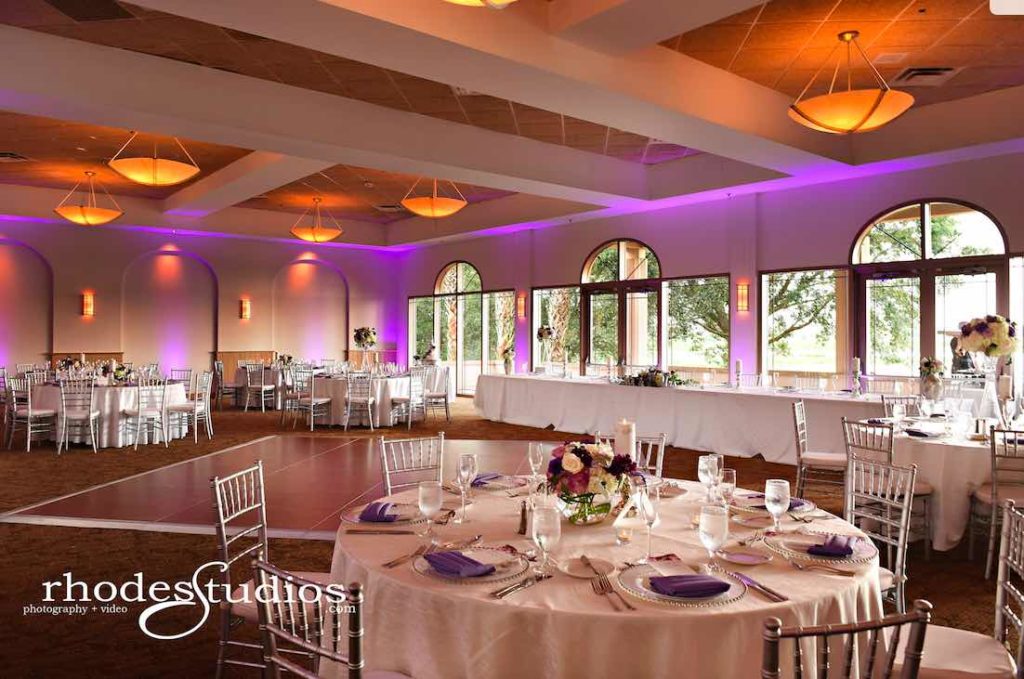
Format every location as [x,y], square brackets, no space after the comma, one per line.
[747,505]
[408,514]
[504,482]
[794,546]
[635,581]
[507,566]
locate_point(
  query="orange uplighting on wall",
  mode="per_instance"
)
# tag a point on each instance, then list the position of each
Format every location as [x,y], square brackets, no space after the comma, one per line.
[743,296]
[521,305]
[245,308]
[88,303]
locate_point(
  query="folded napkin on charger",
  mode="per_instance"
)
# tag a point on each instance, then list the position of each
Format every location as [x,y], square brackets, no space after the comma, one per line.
[879,420]
[688,586]
[457,565]
[794,504]
[835,546]
[920,433]
[485,478]
[377,512]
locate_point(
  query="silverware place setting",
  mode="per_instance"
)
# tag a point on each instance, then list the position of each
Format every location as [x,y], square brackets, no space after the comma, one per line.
[519,586]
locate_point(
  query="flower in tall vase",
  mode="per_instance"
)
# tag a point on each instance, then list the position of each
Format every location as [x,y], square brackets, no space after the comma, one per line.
[546,337]
[931,378]
[588,479]
[365,338]
[508,356]
[989,339]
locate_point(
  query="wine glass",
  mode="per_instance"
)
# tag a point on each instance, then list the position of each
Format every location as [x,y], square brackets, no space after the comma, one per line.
[647,507]
[547,531]
[535,457]
[707,472]
[727,486]
[925,406]
[776,500]
[713,530]
[430,505]
[899,411]
[467,473]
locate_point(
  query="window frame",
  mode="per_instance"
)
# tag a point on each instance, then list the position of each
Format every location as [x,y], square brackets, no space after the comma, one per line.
[728,350]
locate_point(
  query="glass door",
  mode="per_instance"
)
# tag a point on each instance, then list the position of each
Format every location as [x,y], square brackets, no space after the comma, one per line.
[642,328]
[470,336]
[604,328]
[959,297]
[893,328]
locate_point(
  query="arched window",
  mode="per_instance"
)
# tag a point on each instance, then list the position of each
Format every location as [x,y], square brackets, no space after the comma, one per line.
[456,278]
[922,269]
[621,260]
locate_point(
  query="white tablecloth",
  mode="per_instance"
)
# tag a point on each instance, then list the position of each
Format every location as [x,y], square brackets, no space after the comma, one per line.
[559,627]
[111,401]
[741,422]
[383,389]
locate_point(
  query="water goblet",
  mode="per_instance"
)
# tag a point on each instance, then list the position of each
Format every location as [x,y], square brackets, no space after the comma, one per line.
[727,486]
[430,505]
[467,473]
[647,507]
[899,411]
[776,500]
[547,531]
[925,405]
[713,530]
[707,473]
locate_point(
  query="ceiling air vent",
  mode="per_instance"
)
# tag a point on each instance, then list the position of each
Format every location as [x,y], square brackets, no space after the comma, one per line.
[463,92]
[389,208]
[924,76]
[11,157]
[889,58]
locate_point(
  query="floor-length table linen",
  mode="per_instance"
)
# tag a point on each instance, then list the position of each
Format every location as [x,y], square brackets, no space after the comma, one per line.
[111,401]
[743,422]
[560,628]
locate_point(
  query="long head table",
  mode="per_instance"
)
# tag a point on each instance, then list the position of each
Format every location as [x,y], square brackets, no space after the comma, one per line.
[559,627]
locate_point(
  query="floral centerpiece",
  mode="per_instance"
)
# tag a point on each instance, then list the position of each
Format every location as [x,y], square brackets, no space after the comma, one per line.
[588,479]
[365,338]
[931,378]
[69,363]
[989,339]
[508,355]
[285,359]
[546,336]
[118,372]
[653,377]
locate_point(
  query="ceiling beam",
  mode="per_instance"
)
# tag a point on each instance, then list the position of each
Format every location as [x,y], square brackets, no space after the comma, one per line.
[249,176]
[621,26]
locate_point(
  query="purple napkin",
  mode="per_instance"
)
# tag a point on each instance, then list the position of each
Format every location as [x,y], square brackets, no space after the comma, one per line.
[918,433]
[878,420]
[457,565]
[835,546]
[483,479]
[794,504]
[688,586]
[377,512]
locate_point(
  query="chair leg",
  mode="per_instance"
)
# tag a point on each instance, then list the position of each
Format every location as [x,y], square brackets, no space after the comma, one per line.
[447,409]
[369,414]
[348,413]
[195,427]
[225,630]
[800,481]
[970,531]
[928,528]
[993,520]
[28,436]
[93,427]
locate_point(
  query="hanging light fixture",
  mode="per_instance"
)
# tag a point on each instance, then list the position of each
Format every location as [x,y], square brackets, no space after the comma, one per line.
[87,212]
[848,111]
[435,205]
[316,231]
[493,4]
[154,171]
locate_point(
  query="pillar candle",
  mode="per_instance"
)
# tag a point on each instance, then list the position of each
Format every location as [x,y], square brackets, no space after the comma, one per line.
[739,368]
[856,364]
[625,438]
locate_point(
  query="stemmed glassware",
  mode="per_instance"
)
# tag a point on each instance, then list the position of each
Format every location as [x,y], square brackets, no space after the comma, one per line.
[535,457]
[776,500]
[707,472]
[647,508]
[547,531]
[430,505]
[713,530]
[727,486]
[467,473]
[899,411]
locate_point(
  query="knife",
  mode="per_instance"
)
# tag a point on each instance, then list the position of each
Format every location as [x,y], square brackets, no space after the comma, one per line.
[767,592]
[523,584]
[371,531]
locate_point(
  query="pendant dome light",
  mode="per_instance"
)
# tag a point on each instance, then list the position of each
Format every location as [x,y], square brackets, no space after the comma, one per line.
[316,231]
[87,212]
[435,205]
[154,171]
[850,110]
[493,4]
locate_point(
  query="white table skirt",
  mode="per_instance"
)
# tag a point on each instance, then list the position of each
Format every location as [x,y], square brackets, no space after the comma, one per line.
[111,401]
[560,628]
[383,389]
[741,422]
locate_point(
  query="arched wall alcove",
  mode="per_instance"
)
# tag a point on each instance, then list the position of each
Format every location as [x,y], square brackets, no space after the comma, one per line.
[26,305]
[310,310]
[169,310]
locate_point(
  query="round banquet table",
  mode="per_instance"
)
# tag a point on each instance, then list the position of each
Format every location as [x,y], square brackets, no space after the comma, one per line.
[559,628]
[111,401]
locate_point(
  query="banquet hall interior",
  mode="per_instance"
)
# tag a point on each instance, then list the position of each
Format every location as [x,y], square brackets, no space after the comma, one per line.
[511,338]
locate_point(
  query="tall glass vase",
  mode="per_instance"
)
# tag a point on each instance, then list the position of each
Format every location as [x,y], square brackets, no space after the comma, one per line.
[988,405]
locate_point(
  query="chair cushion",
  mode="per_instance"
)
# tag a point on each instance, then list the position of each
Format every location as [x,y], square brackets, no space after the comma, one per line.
[923,487]
[146,412]
[247,609]
[886,579]
[36,412]
[263,387]
[399,399]
[951,653]
[361,399]
[1004,492]
[821,459]
[80,414]
[186,407]
[437,394]
[319,400]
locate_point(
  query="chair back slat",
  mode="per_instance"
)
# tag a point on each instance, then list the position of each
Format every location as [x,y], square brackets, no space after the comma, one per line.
[406,462]
[868,441]
[77,394]
[1007,458]
[234,496]
[800,429]
[911,404]
[1009,623]
[649,454]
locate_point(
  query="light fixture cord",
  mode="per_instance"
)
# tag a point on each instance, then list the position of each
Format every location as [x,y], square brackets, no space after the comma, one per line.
[878,76]
[817,73]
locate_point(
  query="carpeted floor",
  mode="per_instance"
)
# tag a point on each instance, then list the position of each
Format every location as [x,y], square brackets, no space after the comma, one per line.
[102,644]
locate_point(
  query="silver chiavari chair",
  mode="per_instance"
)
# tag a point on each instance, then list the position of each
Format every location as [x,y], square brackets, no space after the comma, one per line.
[812,465]
[23,415]
[408,406]
[150,411]
[328,363]
[879,385]
[23,369]
[4,405]
[307,402]
[330,628]
[290,397]
[256,386]
[650,451]
[77,411]
[750,380]
[406,462]
[40,375]
[874,442]
[222,387]
[879,500]
[197,408]
[1006,453]
[872,646]
[183,375]
[359,395]
[911,404]
[437,391]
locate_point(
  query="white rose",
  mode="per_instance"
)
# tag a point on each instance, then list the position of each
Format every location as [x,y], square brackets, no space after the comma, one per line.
[571,463]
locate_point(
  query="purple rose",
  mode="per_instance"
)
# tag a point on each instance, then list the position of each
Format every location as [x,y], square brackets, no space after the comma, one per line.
[1012,331]
[965,329]
[621,464]
[991,319]
[579,482]
[554,467]
[983,329]
[586,458]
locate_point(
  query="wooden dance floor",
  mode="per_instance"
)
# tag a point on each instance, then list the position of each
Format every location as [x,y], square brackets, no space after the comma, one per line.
[309,482]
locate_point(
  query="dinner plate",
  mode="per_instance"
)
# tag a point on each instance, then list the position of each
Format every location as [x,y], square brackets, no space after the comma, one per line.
[508,566]
[749,505]
[407,514]
[794,546]
[743,556]
[753,520]
[636,581]
[576,568]
[503,482]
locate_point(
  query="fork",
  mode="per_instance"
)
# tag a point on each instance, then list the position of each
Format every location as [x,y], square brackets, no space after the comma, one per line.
[803,519]
[751,539]
[606,588]
[419,551]
[819,567]
[598,588]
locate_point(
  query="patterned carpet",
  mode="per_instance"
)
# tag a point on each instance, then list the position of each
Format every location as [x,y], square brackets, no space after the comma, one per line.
[110,644]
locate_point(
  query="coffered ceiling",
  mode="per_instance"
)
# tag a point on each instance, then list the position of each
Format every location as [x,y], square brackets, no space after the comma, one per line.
[781,44]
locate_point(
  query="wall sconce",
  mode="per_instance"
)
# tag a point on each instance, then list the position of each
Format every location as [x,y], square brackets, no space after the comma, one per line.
[245,308]
[89,303]
[521,306]
[743,296]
